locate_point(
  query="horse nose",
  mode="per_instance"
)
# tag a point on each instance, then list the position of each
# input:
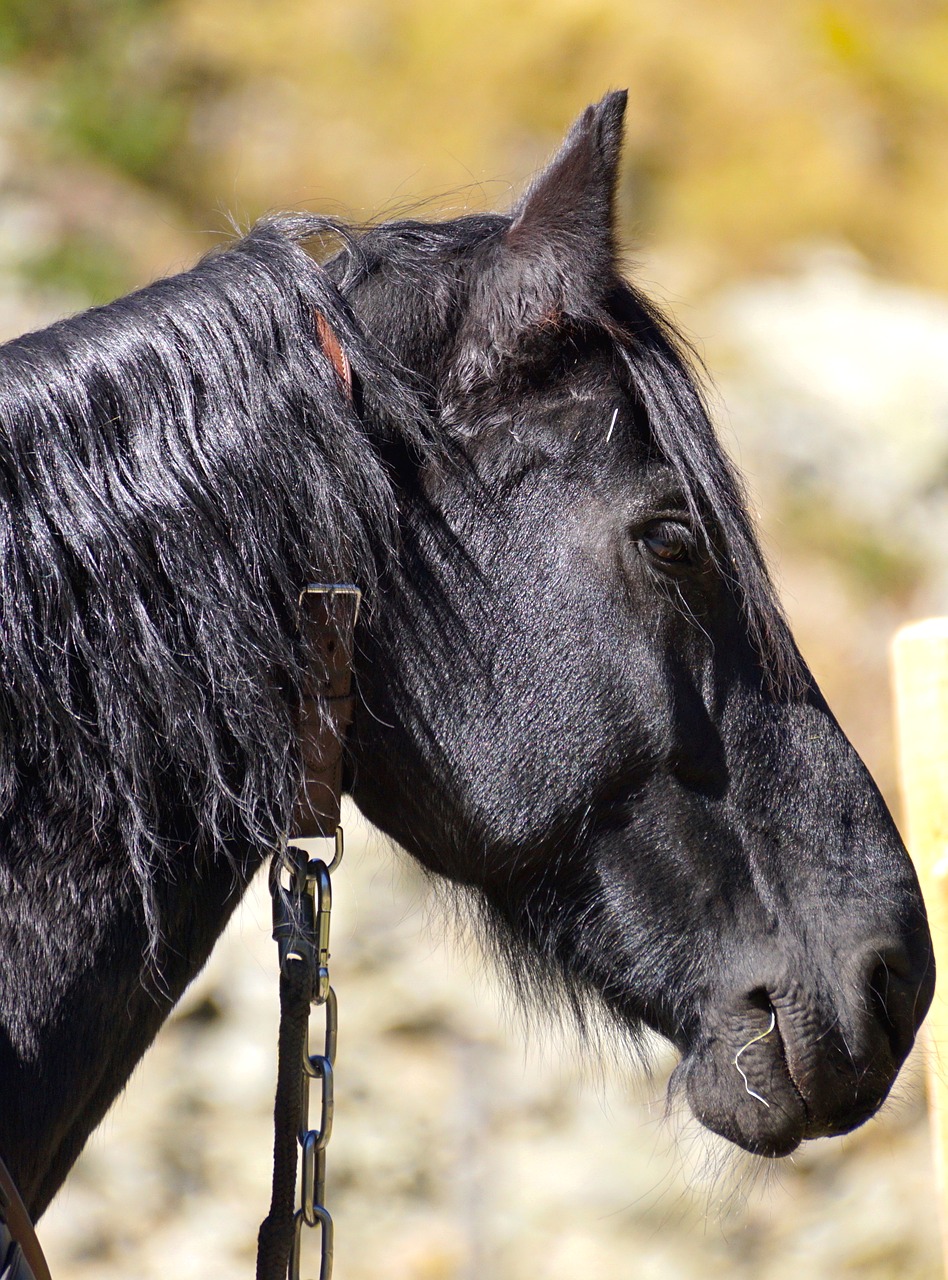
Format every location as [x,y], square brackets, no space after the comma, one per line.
[807,1051]
[897,992]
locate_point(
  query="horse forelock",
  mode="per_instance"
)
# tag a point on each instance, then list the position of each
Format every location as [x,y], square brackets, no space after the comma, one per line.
[666,380]
[432,265]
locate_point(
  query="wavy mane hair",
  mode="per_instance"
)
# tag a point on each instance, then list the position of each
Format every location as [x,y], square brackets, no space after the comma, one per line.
[174,465]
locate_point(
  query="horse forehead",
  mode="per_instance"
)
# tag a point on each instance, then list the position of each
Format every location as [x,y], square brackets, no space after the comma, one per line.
[600,436]
[586,408]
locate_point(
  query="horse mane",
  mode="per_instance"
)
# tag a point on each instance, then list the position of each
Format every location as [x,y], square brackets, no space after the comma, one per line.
[174,467]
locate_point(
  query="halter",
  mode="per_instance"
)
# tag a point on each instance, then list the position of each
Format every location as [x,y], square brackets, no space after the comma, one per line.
[302,901]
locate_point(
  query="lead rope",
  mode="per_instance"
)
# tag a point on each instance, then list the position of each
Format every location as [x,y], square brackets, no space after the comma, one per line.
[301,916]
[301,891]
[21,1257]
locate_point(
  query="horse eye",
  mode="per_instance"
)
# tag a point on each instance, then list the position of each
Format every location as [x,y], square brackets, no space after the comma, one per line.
[668,543]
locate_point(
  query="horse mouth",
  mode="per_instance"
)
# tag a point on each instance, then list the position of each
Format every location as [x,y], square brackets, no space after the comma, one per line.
[771,1081]
[741,1087]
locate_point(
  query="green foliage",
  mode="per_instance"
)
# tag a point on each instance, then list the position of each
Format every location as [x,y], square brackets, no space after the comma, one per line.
[82,265]
[139,130]
[113,85]
[39,30]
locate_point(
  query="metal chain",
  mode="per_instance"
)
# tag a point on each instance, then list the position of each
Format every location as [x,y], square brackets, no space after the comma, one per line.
[301,919]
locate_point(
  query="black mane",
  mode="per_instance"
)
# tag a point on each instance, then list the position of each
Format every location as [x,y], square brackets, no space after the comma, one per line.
[173,466]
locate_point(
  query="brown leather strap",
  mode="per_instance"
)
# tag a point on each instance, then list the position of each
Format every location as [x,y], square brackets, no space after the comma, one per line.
[15,1222]
[332,348]
[328,617]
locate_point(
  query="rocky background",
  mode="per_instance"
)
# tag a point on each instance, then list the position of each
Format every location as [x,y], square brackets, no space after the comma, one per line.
[784,195]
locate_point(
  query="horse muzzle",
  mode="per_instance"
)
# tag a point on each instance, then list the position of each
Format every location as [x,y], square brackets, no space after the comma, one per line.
[789,1059]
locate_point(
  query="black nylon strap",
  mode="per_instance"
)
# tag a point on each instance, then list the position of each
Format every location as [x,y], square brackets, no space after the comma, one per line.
[275,1238]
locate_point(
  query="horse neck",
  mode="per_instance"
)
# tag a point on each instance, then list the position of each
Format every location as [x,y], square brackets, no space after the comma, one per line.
[190,486]
[79,1003]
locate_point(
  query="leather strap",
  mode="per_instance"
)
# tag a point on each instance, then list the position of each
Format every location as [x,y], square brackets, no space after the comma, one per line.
[332,349]
[21,1257]
[328,616]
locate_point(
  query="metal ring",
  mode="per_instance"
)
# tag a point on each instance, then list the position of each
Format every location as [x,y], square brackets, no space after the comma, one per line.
[324,1218]
[339,850]
[313,1180]
[320,1068]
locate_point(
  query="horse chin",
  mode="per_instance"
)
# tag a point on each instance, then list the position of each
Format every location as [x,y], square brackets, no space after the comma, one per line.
[767,1116]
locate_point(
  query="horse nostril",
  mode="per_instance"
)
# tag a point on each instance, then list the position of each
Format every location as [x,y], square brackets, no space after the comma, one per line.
[894,993]
[759,998]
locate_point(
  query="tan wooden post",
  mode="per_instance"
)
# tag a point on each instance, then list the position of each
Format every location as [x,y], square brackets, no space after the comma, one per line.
[920,655]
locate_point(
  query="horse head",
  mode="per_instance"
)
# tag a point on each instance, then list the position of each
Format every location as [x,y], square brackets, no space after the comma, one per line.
[581,697]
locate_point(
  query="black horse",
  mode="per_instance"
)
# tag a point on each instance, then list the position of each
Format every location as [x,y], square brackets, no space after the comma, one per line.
[576,692]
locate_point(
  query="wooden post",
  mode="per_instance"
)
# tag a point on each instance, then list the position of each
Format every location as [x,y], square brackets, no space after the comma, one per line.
[920,655]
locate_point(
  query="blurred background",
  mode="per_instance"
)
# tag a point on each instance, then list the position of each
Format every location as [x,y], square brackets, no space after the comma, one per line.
[784,195]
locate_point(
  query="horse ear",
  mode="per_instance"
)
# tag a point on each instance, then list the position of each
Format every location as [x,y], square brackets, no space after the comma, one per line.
[572,201]
[558,255]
